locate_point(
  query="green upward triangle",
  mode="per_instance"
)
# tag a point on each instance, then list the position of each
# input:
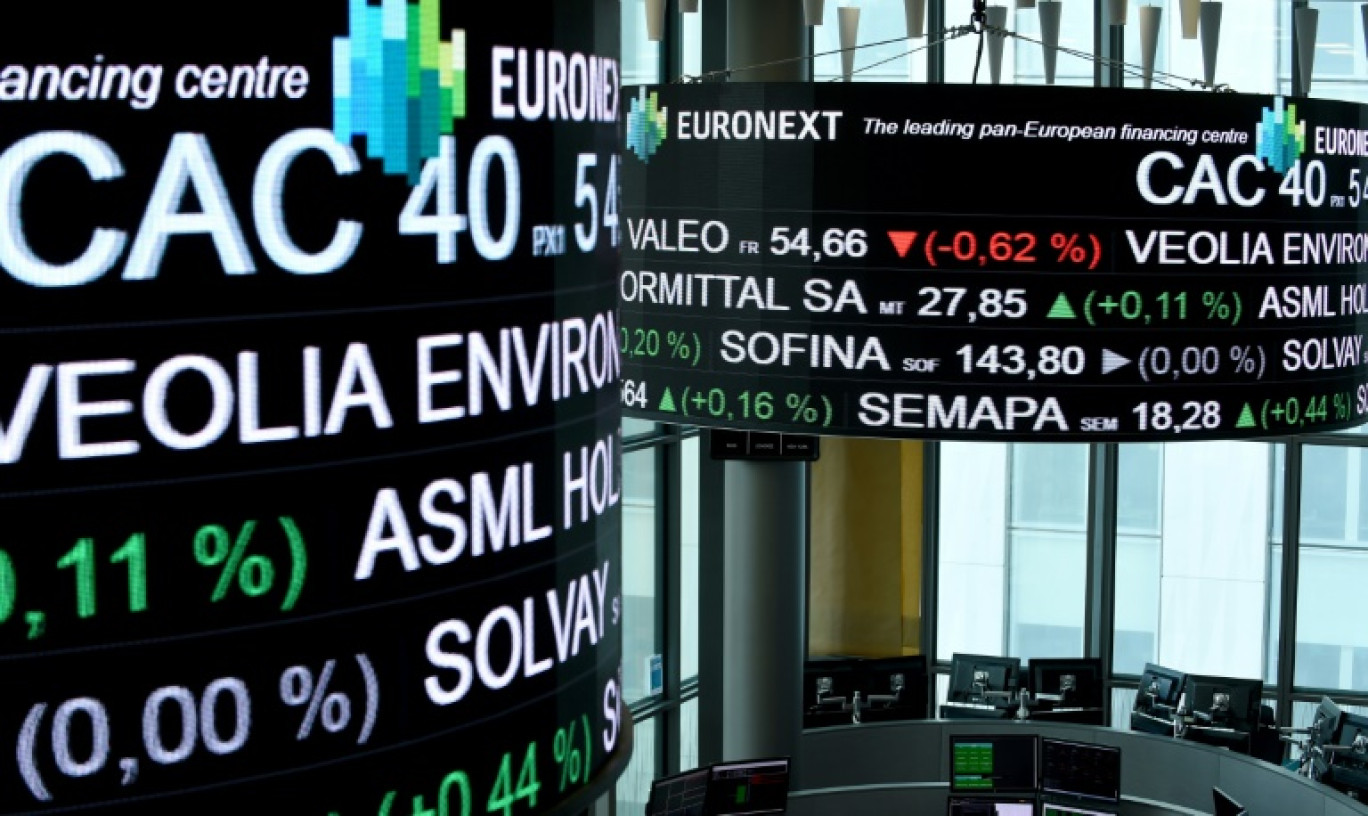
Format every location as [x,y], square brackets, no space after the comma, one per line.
[1061,309]
[667,402]
[1246,419]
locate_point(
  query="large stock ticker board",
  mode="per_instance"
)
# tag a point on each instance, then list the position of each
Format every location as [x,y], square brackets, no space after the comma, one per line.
[968,262]
[309,408]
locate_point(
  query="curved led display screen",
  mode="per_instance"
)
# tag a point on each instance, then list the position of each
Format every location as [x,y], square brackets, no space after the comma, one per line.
[977,262]
[309,408]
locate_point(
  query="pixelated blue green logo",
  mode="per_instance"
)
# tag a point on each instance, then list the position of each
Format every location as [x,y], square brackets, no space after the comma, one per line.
[1279,138]
[647,125]
[397,83]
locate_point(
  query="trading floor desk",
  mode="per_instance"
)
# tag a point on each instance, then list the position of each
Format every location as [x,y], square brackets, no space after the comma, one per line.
[903,769]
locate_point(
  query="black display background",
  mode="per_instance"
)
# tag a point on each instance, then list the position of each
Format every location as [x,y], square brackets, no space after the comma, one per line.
[390,293]
[1041,186]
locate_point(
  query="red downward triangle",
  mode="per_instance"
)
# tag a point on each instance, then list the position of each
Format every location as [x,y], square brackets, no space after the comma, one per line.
[902,241]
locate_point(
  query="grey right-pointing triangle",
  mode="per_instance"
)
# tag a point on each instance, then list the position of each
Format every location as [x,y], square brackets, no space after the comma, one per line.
[1112,361]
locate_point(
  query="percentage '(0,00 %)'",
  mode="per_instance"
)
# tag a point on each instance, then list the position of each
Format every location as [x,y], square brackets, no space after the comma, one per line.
[1162,363]
[216,719]
[177,723]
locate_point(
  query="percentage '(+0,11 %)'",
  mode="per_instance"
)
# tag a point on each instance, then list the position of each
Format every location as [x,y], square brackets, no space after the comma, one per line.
[179,723]
[1131,307]
[213,547]
[459,795]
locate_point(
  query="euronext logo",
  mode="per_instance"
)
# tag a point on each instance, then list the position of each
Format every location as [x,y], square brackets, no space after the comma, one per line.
[1279,138]
[647,125]
[396,82]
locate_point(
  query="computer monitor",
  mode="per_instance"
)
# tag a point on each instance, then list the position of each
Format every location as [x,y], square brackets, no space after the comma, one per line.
[1155,700]
[1349,755]
[978,806]
[983,679]
[1353,736]
[1325,725]
[894,688]
[1159,687]
[993,763]
[1322,733]
[683,794]
[1053,809]
[751,787]
[1080,769]
[1076,681]
[1222,710]
[829,686]
[1225,806]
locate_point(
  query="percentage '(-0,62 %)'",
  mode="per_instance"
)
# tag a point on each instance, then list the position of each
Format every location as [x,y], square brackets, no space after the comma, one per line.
[213,547]
[217,719]
[967,248]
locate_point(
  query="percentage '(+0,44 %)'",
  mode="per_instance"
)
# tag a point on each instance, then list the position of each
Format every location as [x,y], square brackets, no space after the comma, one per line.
[518,780]
[961,248]
[642,343]
[179,724]
[1130,307]
[126,569]
[1292,413]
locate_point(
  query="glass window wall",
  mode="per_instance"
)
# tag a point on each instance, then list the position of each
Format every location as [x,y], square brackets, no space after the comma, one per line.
[1047,542]
[1193,557]
[661,522]
[1247,57]
[876,59]
[641,63]
[1340,67]
[1332,643]
[639,556]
